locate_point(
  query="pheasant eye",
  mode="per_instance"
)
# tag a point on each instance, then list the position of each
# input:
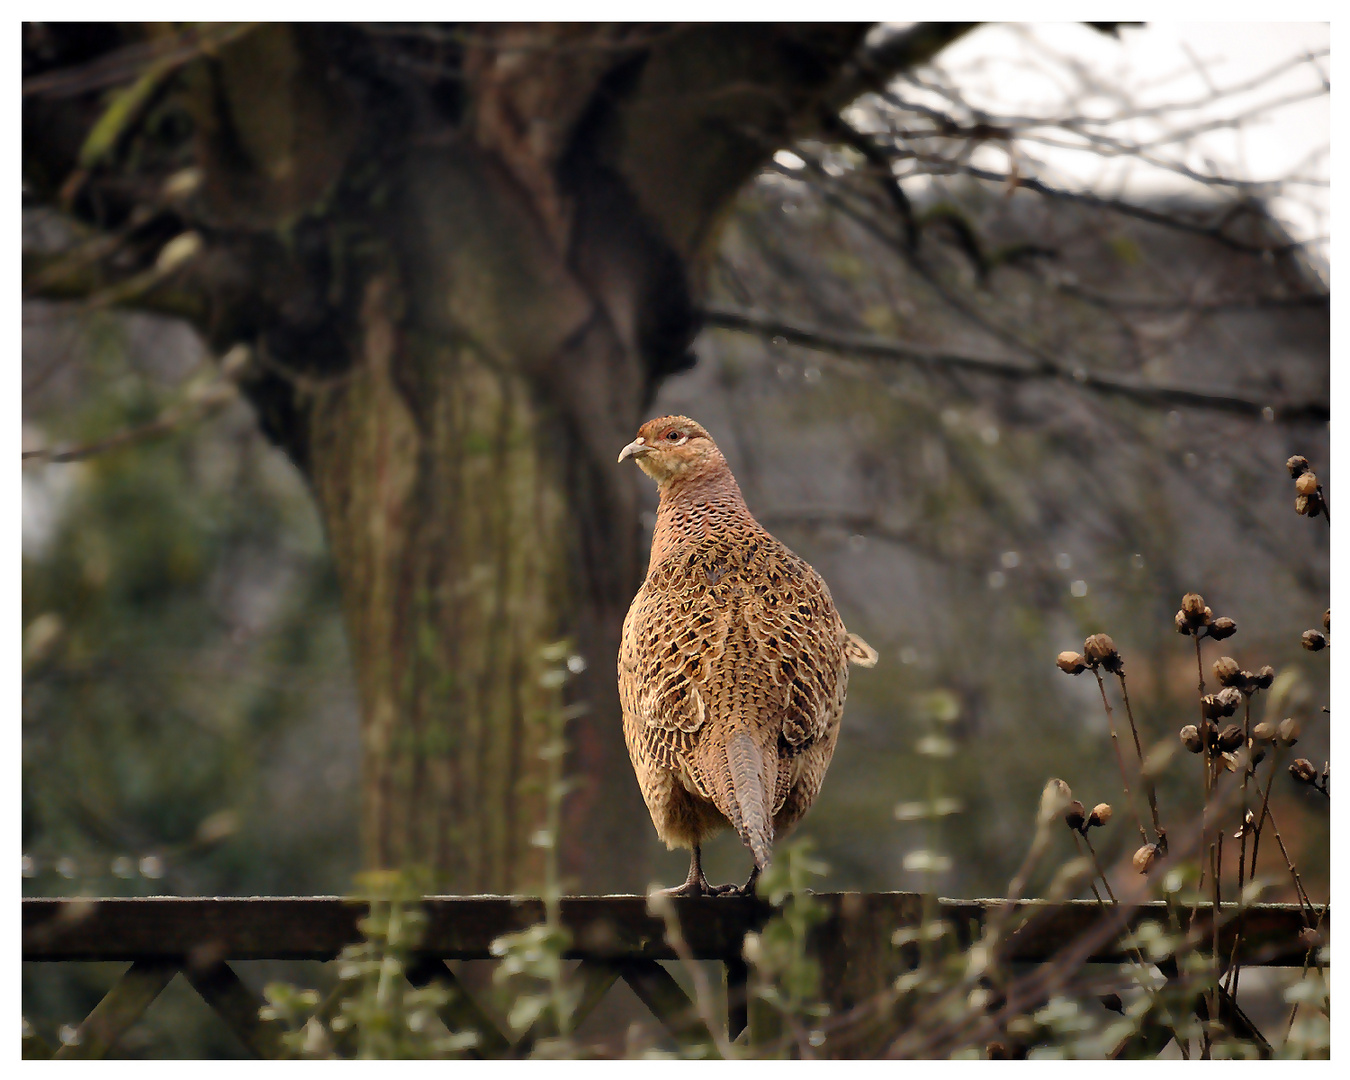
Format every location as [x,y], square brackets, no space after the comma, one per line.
[673,436]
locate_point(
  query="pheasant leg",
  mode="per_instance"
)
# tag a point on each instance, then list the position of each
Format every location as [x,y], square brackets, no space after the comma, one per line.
[695,884]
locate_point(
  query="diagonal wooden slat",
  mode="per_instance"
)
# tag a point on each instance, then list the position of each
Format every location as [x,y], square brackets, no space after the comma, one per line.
[657,990]
[461,1012]
[738,989]
[221,988]
[121,1007]
[597,976]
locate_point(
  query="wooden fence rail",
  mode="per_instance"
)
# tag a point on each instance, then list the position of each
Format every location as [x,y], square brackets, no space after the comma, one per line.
[614,937]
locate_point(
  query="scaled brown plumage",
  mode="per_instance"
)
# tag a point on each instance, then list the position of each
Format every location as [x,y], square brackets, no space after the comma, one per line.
[734,662]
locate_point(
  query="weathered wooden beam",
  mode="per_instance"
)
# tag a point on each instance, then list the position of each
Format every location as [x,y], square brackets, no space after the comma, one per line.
[222,989]
[121,1007]
[602,927]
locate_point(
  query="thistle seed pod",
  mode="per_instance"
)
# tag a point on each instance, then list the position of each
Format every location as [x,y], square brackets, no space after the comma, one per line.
[1226,671]
[1303,771]
[1230,738]
[1307,484]
[1314,640]
[1145,857]
[1101,814]
[1190,739]
[1193,606]
[1071,663]
[1297,465]
[1264,732]
[1288,731]
[1074,816]
[1100,649]
[1222,627]
[1302,503]
[1264,677]
[1229,698]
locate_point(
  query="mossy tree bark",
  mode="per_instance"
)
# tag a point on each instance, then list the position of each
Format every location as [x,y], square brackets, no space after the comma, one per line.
[461,263]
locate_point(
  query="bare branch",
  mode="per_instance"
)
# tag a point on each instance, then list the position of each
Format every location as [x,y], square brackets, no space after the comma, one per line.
[130,62]
[200,400]
[869,347]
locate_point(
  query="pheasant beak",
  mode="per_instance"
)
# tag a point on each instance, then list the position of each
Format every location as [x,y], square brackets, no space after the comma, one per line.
[637,448]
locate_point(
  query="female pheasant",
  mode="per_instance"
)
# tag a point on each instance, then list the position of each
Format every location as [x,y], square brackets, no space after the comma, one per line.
[733,665]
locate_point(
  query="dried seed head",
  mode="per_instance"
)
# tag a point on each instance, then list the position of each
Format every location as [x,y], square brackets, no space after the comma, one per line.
[1145,857]
[1288,731]
[1297,465]
[1226,670]
[1307,484]
[1258,754]
[1101,814]
[1229,698]
[1100,649]
[1303,771]
[1231,737]
[996,1051]
[1326,620]
[1074,816]
[1190,739]
[1314,640]
[1222,627]
[1302,504]
[1071,663]
[1309,937]
[1264,732]
[1183,624]
[1264,677]
[1193,605]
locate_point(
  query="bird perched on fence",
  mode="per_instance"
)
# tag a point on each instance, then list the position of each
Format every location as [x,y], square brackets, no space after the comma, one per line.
[734,662]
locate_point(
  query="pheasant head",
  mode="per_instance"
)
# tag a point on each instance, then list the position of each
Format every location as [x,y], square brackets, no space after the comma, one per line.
[673,448]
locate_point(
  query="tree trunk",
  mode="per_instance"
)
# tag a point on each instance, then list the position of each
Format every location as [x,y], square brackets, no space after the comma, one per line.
[471,527]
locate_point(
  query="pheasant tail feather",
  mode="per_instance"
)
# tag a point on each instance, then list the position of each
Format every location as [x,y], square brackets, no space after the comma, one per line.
[749,801]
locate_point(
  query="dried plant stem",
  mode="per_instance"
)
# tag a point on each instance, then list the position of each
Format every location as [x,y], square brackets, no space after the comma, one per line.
[1149,790]
[1120,759]
[1303,899]
[1206,828]
[1248,771]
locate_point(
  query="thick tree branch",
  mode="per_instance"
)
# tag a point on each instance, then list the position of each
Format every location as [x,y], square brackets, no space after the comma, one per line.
[869,347]
[160,290]
[873,67]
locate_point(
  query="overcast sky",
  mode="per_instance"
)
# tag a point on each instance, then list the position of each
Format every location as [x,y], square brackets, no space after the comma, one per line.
[1030,69]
